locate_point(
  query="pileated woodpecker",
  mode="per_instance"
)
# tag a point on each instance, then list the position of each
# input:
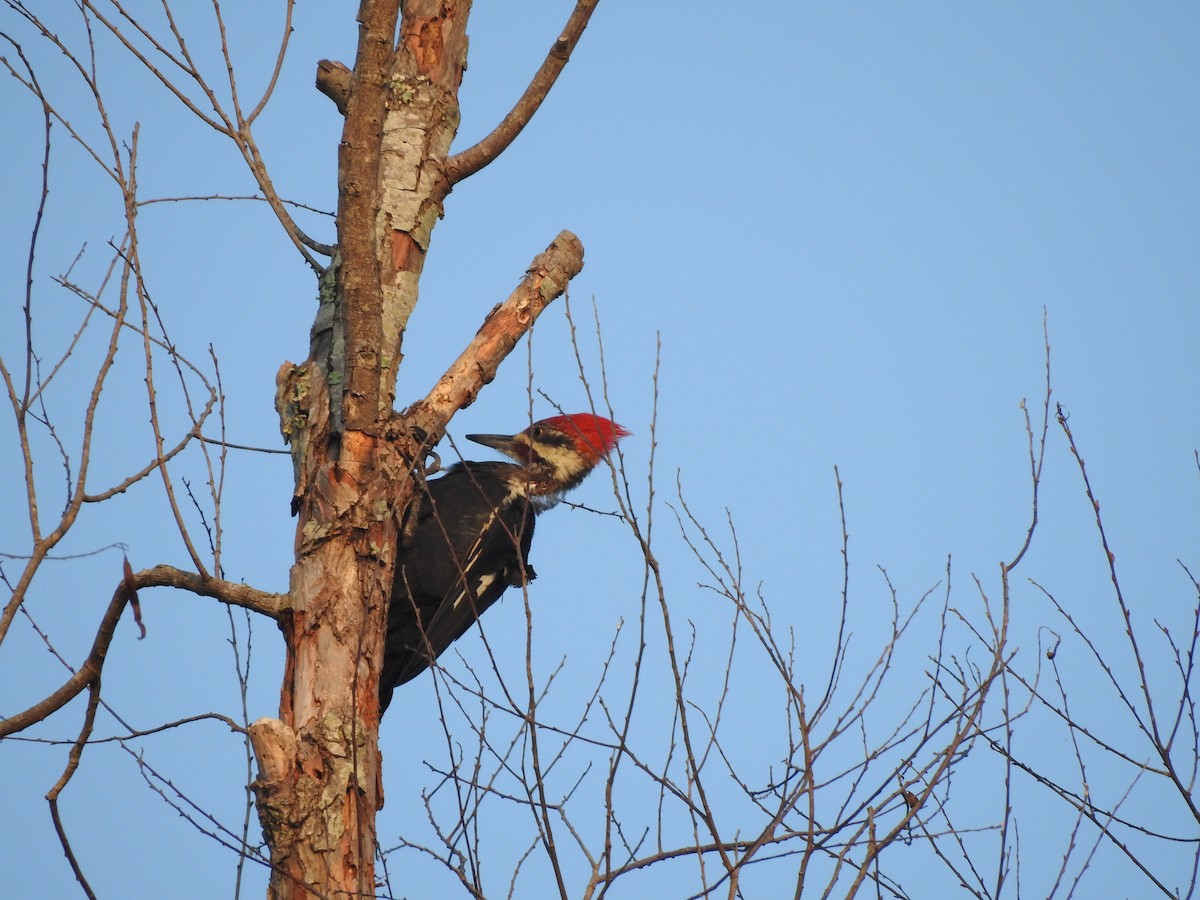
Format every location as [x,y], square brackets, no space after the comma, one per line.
[470,538]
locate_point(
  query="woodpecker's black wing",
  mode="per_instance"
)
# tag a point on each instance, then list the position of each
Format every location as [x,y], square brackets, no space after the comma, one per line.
[470,543]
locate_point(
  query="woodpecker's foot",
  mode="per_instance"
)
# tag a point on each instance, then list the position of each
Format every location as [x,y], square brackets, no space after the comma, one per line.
[420,462]
[421,436]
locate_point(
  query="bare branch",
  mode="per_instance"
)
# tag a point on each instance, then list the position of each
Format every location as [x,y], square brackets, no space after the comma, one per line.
[76,753]
[160,576]
[544,281]
[231,592]
[468,162]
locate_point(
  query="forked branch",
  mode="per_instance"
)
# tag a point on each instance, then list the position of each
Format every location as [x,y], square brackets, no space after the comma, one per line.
[160,576]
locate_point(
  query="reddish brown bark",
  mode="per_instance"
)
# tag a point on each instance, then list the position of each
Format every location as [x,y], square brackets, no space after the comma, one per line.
[319,784]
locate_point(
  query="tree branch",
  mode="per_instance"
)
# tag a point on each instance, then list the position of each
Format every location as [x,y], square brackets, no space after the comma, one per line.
[468,162]
[544,281]
[230,592]
[160,576]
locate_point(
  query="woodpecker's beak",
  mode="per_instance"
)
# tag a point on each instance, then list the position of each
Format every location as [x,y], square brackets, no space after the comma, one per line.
[505,443]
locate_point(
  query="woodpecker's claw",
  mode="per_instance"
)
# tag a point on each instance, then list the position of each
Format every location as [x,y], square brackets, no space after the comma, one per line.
[421,436]
[435,467]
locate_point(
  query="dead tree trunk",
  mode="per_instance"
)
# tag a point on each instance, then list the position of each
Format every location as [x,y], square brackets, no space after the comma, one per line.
[319,785]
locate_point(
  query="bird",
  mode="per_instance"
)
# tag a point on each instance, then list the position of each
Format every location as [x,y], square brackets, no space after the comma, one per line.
[467,535]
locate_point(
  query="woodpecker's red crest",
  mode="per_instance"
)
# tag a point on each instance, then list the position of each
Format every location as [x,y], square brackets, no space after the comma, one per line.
[595,436]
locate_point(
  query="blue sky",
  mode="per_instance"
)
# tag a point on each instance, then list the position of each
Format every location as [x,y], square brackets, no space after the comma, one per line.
[844,223]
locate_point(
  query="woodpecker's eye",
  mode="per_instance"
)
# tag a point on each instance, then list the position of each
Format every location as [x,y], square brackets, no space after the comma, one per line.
[537,431]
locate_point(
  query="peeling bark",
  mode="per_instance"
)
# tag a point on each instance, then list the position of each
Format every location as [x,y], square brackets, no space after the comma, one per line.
[319,784]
